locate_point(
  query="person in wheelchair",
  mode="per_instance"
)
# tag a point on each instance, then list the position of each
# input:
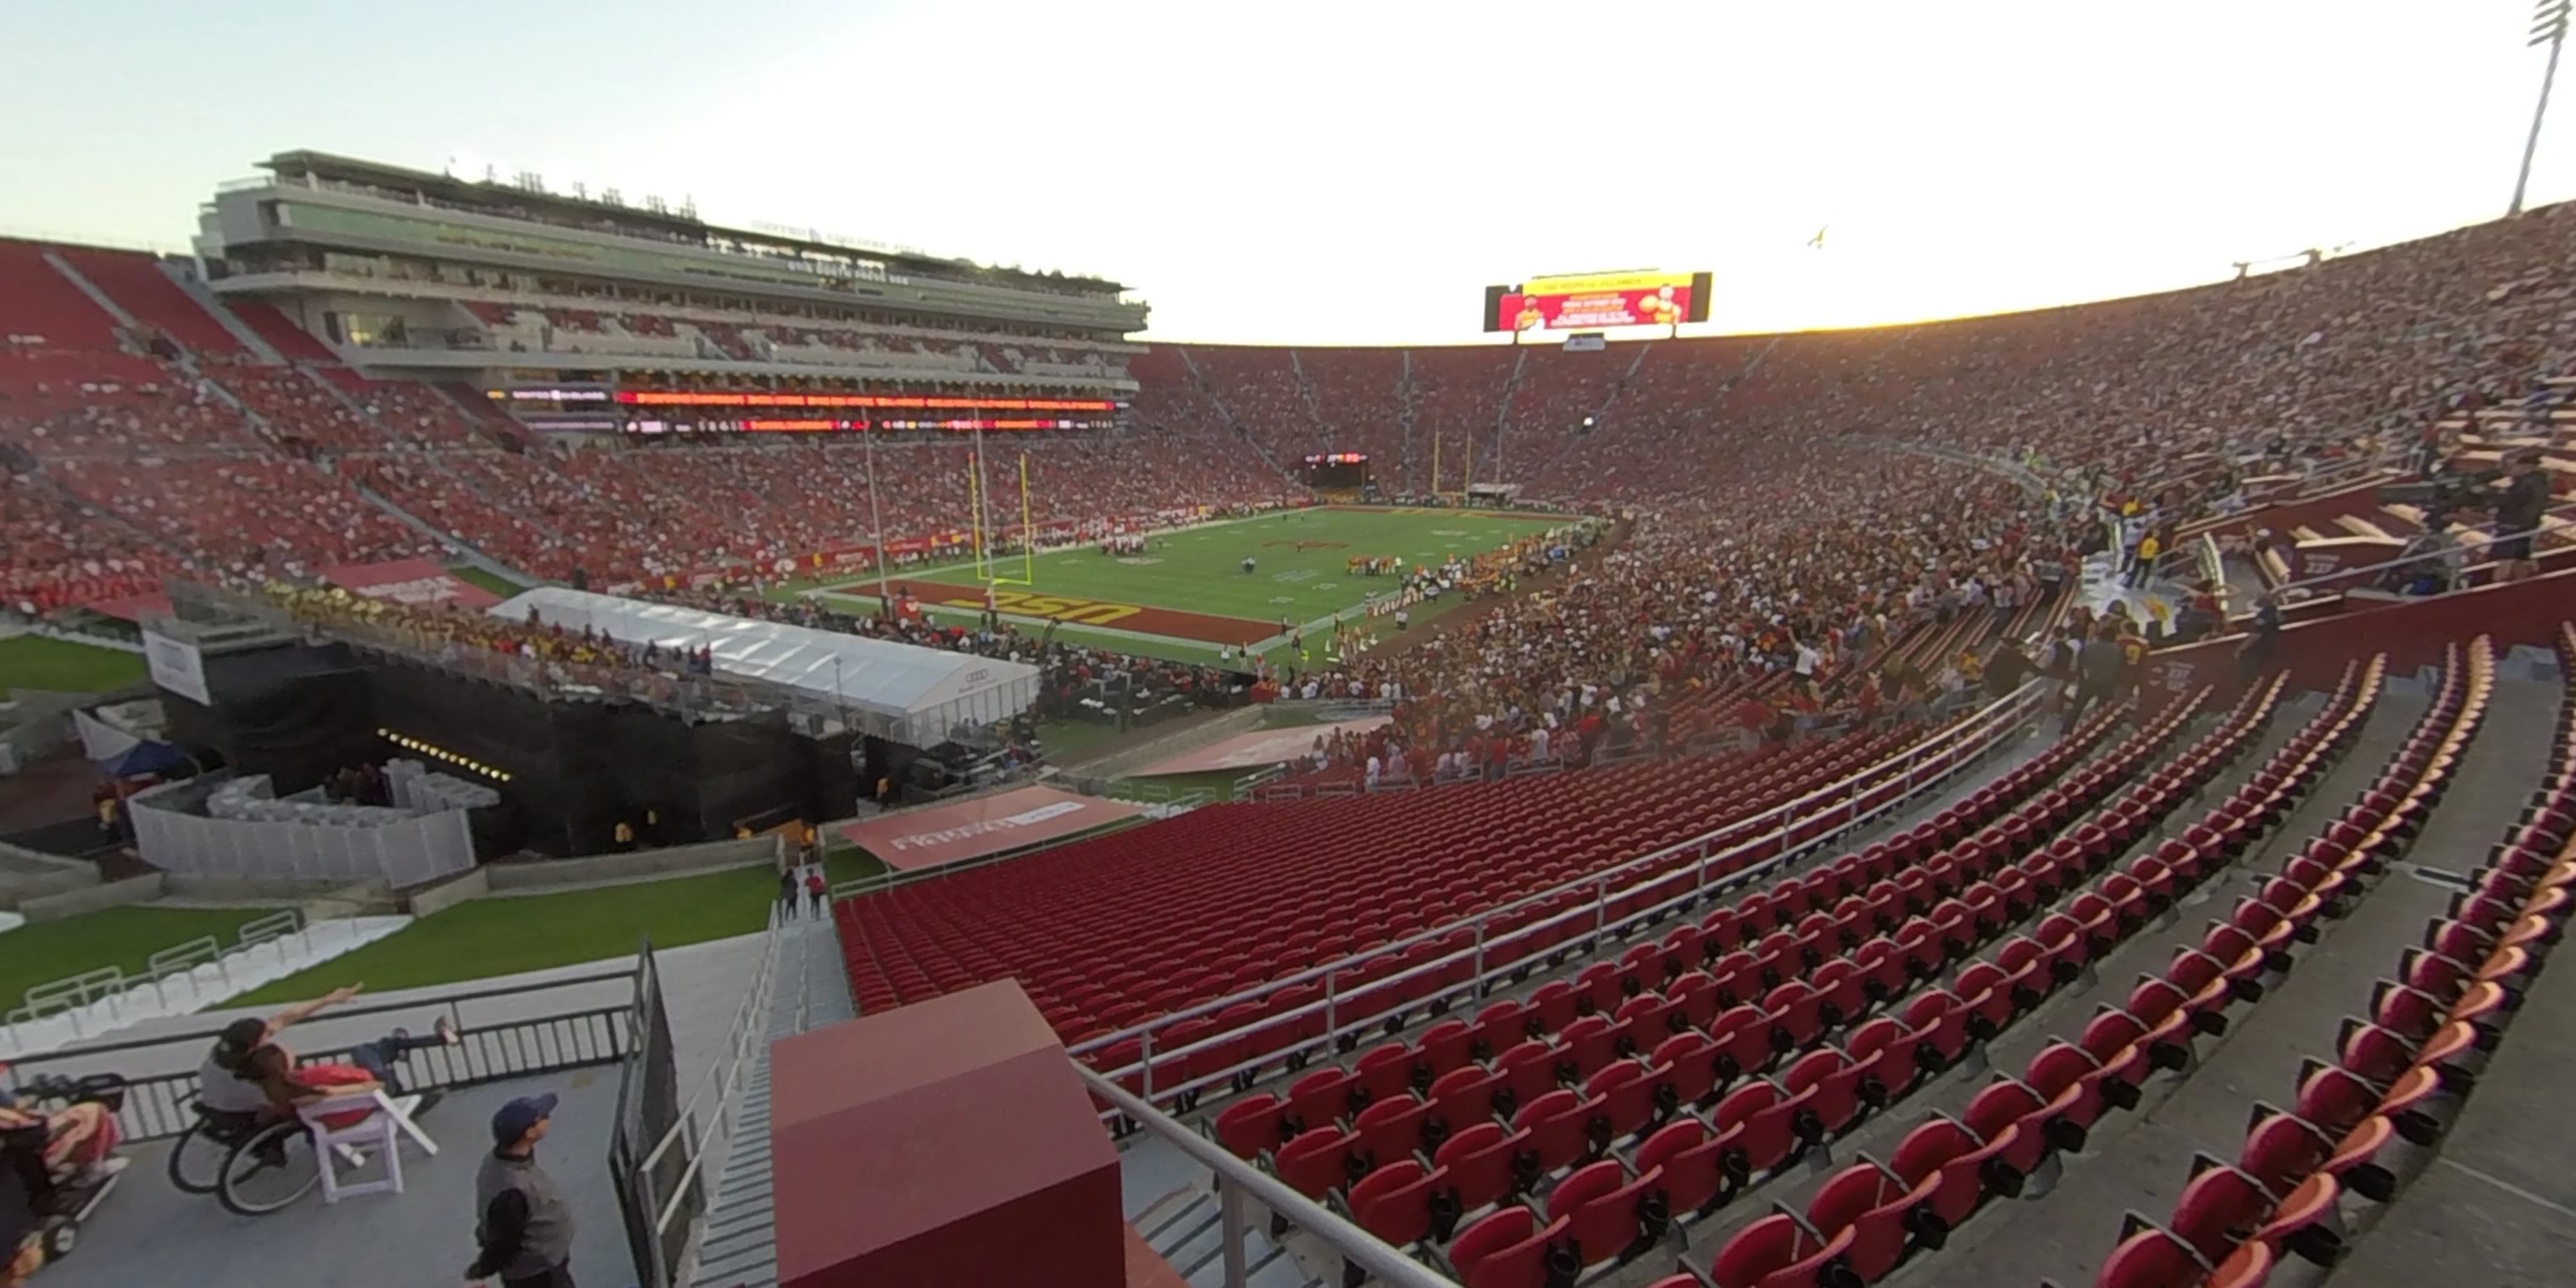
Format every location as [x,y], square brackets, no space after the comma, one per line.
[250,1078]
[57,1164]
[80,1135]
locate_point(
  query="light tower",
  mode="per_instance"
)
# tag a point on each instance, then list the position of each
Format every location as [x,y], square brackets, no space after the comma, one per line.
[2548,27]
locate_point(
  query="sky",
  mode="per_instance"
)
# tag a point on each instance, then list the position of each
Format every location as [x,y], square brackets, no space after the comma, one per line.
[1329,172]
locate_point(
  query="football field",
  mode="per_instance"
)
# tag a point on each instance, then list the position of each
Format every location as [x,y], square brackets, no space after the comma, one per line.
[1187,594]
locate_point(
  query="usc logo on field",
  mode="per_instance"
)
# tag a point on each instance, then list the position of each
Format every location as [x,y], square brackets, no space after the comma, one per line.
[1085,612]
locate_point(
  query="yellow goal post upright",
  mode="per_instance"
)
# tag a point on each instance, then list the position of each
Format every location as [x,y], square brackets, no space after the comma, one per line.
[991,564]
[1467,477]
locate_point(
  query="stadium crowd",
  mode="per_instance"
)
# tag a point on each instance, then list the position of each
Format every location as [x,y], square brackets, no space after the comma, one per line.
[1769,552]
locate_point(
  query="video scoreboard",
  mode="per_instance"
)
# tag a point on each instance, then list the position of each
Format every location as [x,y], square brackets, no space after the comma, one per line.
[1333,471]
[1591,301]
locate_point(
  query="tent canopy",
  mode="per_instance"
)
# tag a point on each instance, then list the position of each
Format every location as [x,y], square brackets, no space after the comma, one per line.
[922,691]
[144,758]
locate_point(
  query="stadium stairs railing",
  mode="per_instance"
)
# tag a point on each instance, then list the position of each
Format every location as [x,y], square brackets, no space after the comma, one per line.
[1924,765]
[1237,1181]
[2344,580]
[158,1101]
[714,1098]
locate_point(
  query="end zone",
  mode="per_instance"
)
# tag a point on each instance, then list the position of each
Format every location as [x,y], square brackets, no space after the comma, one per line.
[1074,610]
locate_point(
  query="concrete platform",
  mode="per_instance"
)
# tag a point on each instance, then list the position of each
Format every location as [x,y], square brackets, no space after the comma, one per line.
[148,1233]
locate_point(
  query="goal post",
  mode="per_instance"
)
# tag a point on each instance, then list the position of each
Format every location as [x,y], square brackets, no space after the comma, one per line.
[992,560]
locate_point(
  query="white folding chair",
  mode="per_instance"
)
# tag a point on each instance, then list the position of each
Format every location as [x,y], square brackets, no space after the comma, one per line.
[387,1121]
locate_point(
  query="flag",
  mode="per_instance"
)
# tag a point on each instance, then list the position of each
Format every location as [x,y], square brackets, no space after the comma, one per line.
[1817,242]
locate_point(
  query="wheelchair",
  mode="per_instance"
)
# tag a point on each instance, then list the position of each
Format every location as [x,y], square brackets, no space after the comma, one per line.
[253,1163]
[30,1198]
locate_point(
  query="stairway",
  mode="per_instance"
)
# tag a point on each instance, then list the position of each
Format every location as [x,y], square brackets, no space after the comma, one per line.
[1207,387]
[231,322]
[1187,1228]
[90,289]
[738,1245]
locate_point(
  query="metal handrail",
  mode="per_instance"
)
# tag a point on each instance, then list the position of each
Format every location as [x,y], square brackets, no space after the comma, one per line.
[2535,533]
[1478,957]
[1237,1179]
[449,1000]
[2003,714]
[750,1025]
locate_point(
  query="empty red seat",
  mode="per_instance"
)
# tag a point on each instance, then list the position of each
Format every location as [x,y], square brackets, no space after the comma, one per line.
[1880,1210]
[1778,1251]
[1405,1204]
[1508,1249]
[1483,1163]
[1316,1162]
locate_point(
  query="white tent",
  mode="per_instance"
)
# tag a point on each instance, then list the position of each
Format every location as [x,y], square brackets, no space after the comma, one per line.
[915,695]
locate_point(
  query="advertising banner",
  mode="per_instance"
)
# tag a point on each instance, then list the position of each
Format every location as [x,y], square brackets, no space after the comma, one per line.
[177,666]
[923,838]
[1592,301]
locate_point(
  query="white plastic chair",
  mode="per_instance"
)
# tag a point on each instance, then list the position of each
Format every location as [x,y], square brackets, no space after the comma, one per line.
[388,1120]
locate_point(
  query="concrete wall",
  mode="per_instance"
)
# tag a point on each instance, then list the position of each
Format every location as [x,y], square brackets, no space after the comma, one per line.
[678,860]
[317,900]
[91,898]
[32,874]
[439,896]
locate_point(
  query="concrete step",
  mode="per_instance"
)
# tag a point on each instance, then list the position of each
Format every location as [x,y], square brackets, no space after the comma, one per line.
[2141,1161]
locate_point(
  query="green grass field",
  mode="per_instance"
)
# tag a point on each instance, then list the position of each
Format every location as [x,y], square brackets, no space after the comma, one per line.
[41,952]
[1301,571]
[33,662]
[482,938]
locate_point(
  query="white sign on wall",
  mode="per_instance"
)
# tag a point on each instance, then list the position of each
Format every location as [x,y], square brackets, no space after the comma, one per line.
[177,666]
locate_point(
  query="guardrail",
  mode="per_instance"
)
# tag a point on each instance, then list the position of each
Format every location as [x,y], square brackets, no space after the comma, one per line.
[159,1105]
[1715,863]
[110,983]
[2466,554]
[722,1081]
[1237,1180]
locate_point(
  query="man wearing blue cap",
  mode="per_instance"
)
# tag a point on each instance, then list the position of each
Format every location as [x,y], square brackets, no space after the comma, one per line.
[522,1222]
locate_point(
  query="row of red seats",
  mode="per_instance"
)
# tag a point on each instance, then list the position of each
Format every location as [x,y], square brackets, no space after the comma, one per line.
[1196,1053]
[1331,878]
[1749,948]
[38,302]
[1688,1168]
[2399,1072]
[1630,1203]
[1623,1097]
[148,295]
[1868,1218]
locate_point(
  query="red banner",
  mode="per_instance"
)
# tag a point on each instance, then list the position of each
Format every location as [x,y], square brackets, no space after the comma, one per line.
[923,838]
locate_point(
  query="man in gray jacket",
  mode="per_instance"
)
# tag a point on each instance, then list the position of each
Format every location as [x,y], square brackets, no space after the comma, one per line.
[522,1222]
